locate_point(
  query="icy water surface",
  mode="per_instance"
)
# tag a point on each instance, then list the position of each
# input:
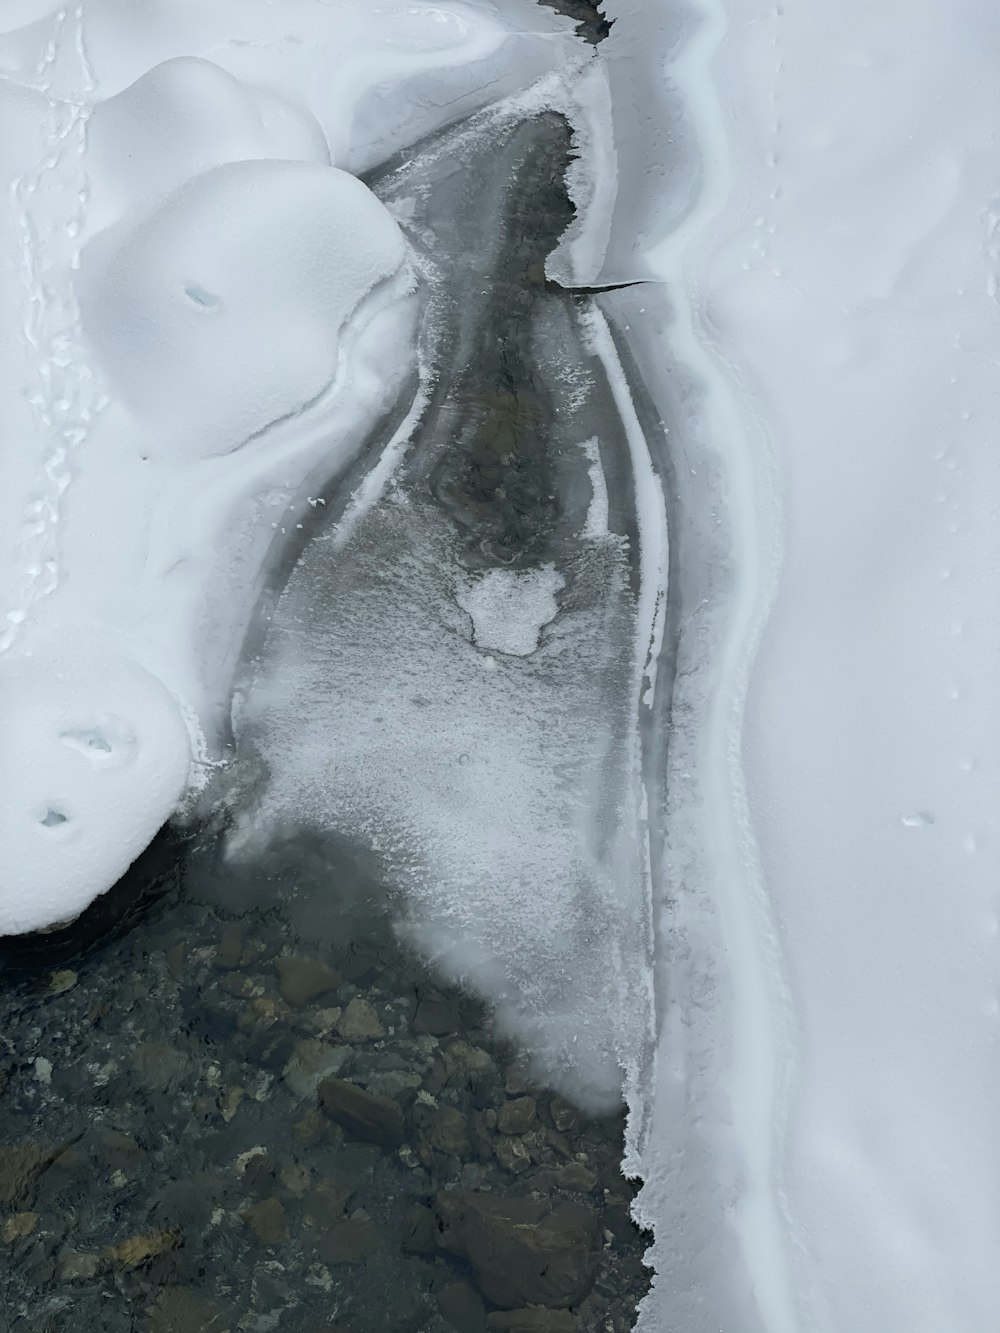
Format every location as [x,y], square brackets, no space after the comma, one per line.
[247,1102]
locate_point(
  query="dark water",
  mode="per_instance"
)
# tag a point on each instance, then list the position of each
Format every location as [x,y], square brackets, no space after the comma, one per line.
[231,1099]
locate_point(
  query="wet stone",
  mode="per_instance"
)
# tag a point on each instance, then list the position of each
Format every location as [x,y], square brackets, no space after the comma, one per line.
[18,1226]
[76,1267]
[365,1115]
[420,1231]
[311,1062]
[531,1321]
[517,1116]
[157,1066]
[20,1166]
[360,1022]
[137,1250]
[435,1017]
[267,1221]
[230,950]
[181,1310]
[564,1115]
[349,1242]
[462,1307]
[448,1132]
[62,981]
[512,1155]
[304,979]
[522,1252]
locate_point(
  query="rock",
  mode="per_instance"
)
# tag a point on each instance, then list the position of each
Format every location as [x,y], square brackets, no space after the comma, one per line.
[521,1251]
[18,1226]
[311,1062]
[20,1166]
[512,1155]
[157,1066]
[531,1321]
[517,1116]
[349,1242]
[462,1307]
[420,1231]
[267,1221]
[564,1115]
[447,1131]
[259,1012]
[295,1177]
[577,1176]
[139,1249]
[304,979]
[60,982]
[230,949]
[181,1310]
[77,1267]
[364,1114]
[359,1022]
[464,1061]
[435,1017]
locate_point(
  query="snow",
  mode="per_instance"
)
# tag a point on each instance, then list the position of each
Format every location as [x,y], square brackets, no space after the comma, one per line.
[201,321]
[510,607]
[822,1148]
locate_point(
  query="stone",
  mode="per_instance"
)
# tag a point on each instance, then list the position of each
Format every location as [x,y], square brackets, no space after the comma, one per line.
[516,1083]
[360,1022]
[522,1252]
[20,1166]
[365,1115]
[462,1307]
[349,1242]
[517,1116]
[18,1226]
[137,1250]
[512,1155]
[77,1267]
[537,1320]
[437,1018]
[267,1221]
[312,1061]
[303,979]
[158,1067]
[464,1061]
[61,982]
[448,1132]
[181,1310]
[420,1231]
[577,1176]
[230,949]
[564,1115]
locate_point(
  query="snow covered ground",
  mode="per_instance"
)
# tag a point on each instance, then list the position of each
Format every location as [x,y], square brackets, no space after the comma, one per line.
[204,317]
[831,1036]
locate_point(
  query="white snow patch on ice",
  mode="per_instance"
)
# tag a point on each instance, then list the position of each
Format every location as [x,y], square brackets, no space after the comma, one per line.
[511,607]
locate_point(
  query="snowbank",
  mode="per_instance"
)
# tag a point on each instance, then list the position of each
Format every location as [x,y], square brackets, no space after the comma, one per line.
[822,1149]
[201,324]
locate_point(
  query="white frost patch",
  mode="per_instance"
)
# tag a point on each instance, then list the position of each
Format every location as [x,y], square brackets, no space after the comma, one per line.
[511,607]
[595,527]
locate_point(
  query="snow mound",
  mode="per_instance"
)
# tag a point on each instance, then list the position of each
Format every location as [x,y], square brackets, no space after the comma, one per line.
[222,312]
[95,757]
[184,117]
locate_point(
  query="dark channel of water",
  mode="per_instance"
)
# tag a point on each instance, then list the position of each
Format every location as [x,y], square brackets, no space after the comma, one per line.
[231,1099]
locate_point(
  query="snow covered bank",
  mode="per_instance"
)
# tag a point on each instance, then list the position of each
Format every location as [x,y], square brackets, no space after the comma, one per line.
[823,1151]
[203,323]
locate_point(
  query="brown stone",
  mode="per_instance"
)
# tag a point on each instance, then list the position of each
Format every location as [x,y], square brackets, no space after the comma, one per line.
[304,979]
[359,1022]
[521,1251]
[537,1320]
[517,1116]
[267,1221]
[512,1155]
[139,1249]
[20,1166]
[18,1226]
[349,1242]
[182,1310]
[448,1131]
[363,1114]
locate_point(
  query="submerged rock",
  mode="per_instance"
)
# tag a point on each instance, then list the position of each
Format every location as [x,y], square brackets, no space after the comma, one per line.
[522,1251]
[364,1114]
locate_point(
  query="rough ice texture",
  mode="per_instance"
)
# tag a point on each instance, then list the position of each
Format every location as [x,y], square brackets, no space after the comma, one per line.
[510,608]
[201,319]
[822,1152]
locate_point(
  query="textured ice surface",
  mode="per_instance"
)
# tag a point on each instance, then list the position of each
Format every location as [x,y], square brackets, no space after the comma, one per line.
[510,608]
[202,323]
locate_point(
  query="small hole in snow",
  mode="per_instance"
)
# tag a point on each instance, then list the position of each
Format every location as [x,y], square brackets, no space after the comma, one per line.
[203,299]
[53,818]
[90,740]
